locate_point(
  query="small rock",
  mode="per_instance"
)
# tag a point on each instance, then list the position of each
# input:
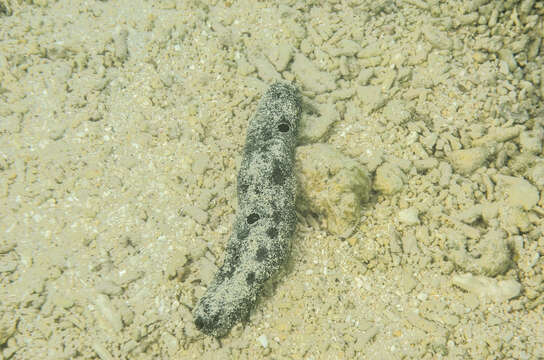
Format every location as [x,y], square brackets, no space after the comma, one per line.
[468,19]
[175,265]
[371,97]
[8,324]
[245,67]
[8,266]
[203,201]
[61,299]
[518,191]
[345,47]
[508,58]
[465,161]
[281,55]
[367,251]
[108,311]
[445,174]
[56,130]
[536,175]
[513,219]
[407,282]
[108,287]
[199,215]
[484,287]
[127,315]
[490,211]
[265,69]
[310,76]
[426,164]
[409,243]
[494,256]
[394,242]
[206,270]
[201,163]
[531,141]
[120,44]
[127,276]
[314,128]
[333,185]
[429,141]
[526,7]
[263,340]
[471,214]
[490,256]
[101,351]
[389,178]
[438,39]
[371,50]
[196,248]
[172,344]
[397,112]
[409,216]
[364,76]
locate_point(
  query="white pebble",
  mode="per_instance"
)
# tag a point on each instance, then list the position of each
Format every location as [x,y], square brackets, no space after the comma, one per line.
[109,312]
[518,191]
[310,76]
[263,340]
[422,296]
[466,161]
[389,179]
[409,216]
[531,141]
[489,288]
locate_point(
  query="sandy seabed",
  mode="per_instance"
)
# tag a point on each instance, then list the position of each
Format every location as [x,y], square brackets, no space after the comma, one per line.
[121,126]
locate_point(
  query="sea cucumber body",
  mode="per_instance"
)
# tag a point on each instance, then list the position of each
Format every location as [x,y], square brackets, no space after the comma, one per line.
[265,220]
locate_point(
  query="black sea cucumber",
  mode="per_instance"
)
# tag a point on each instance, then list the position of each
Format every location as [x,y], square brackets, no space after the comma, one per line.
[265,220]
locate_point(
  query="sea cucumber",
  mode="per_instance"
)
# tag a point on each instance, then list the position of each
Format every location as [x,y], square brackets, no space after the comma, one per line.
[265,220]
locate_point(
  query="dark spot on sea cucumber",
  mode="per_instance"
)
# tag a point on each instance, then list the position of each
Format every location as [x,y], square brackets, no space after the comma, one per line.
[199,323]
[283,126]
[277,174]
[232,261]
[276,216]
[272,232]
[250,278]
[226,272]
[262,253]
[252,218]
[243,188]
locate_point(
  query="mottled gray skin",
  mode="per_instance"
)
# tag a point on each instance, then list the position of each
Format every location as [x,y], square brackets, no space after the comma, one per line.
[265,220]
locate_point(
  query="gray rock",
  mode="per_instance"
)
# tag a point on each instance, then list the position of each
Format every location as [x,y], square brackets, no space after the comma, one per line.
[465,161]
[371,97]
[315,127]
[389,178]
[517,192]
[490,256]
[333,185]
[536,175]
[310,76]
[397,112]
[409,216]
[484,287]
[531,141]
